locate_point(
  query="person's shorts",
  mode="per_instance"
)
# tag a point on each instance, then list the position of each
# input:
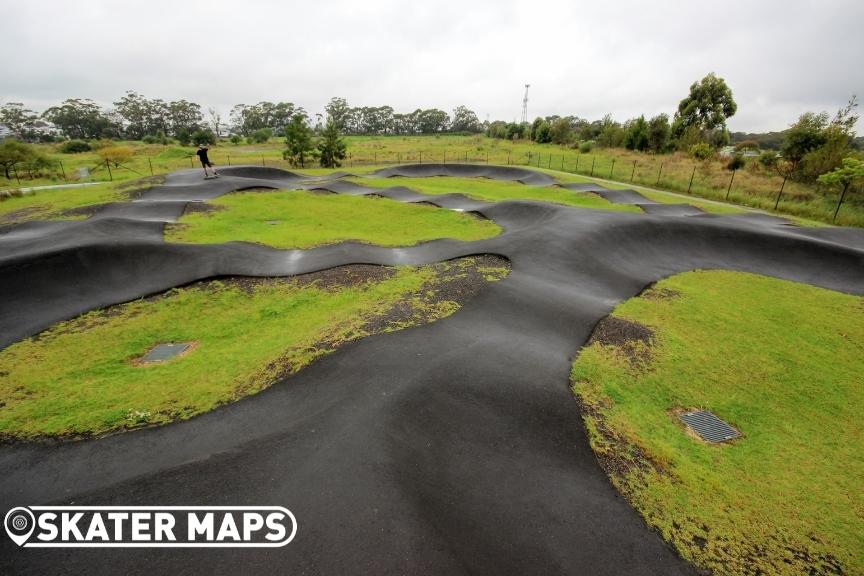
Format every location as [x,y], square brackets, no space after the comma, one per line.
[205,163]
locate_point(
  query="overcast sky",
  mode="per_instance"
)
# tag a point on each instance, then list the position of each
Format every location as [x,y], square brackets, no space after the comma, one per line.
[625,57]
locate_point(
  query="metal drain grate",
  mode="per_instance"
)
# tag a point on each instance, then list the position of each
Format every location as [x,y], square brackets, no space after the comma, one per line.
[709,427]
[162,352]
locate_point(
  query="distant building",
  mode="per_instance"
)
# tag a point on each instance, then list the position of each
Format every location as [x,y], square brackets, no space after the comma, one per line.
[44,128]
[729,151]
[5,132]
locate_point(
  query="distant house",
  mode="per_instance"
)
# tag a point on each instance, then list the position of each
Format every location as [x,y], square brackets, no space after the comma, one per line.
[44,128]
[729,151]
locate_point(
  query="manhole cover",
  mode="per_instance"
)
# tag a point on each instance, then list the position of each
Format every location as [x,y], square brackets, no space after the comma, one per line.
[708,426]
[162,352]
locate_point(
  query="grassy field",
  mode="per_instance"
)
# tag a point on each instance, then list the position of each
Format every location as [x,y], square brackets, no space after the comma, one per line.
[495,191]
[299,219]
[780,361]
[53,204]
[753,186]
[83,377]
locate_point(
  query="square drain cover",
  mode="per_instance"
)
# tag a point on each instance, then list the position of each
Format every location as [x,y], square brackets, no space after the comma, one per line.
[162,352]
[709,427]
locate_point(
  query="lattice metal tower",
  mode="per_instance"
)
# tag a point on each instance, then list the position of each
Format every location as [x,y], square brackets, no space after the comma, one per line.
[525,105]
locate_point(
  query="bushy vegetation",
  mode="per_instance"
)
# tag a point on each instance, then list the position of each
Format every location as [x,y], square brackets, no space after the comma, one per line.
[75,147]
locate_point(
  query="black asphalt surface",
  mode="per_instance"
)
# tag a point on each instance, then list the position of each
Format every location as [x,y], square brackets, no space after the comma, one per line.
[454,447]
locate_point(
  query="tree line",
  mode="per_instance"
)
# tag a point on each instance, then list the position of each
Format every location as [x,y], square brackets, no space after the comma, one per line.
[136,117]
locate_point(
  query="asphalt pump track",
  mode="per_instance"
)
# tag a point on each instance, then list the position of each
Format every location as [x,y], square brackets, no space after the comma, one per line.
[454,447]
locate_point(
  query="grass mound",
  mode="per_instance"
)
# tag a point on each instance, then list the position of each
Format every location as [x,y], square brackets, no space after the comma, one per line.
[780,361]
[299,219]
[85,376]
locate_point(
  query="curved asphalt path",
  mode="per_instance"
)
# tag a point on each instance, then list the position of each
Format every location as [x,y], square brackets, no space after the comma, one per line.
[454,447]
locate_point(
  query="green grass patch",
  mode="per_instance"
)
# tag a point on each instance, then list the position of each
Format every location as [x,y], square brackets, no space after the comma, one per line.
[780,361]
[300,219]
[51,204]
[496,191]
[83,377]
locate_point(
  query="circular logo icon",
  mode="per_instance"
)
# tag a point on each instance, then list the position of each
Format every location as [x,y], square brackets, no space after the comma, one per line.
[19,523]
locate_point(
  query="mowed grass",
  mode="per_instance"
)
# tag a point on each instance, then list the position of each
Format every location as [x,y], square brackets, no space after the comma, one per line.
[780,361]
[82,377]
[50,204]
[496,191]
[300,219]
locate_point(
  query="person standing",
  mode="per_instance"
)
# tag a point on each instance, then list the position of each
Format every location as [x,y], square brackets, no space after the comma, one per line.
[205,161]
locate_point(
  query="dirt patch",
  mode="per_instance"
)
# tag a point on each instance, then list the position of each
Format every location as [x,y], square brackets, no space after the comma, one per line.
[22,215]
[85,211]
[654,293]
[254,189]
[618,457]
[201,208]
[135,188]
[454,284]
[632,339]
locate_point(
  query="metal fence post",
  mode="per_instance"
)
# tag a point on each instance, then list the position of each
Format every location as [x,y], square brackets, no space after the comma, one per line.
[840,202]
[612,170]
[729,189]
[151,165]
[659,173]
[577,164]
[108,165]
[633,173]
[62,170]
[779,194]
[593,160]
[691,180]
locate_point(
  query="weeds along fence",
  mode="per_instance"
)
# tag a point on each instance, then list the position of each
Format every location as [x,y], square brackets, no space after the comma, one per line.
[754,187]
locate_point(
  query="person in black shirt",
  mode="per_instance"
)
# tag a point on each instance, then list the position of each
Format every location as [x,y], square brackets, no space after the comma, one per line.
[205,161]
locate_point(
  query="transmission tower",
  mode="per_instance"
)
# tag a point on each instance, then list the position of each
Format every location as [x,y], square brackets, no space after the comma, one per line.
[525,105]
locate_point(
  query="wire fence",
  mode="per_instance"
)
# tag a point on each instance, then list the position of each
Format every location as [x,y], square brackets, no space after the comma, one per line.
[703,179]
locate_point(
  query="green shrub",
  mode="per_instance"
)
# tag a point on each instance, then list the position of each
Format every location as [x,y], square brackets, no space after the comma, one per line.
[184,137]
[260,136]
[236,139]
[735,163]
[203,137]
[75,147]
[701,151]
[586,146]
[768,159]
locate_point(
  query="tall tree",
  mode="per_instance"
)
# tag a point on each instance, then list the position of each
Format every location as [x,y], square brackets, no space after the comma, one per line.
[338,112]
[298,141]
[658,133]
[637,135]
[708,106]
[18,119]
[80,118]
[465,120]
[331,147]
[184,116]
